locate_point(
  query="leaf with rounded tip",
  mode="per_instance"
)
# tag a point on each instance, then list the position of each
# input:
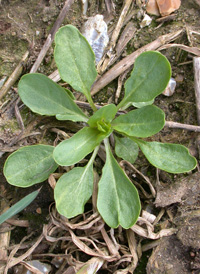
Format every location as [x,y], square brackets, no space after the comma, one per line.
[149,78]
[118,200]
[71,151]
[73,190]
[75,59]
[142,122]
[45,97]
[126,149]
[30,165]
[172,158]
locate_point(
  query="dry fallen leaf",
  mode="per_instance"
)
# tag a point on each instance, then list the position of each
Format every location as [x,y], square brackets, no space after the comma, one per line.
[168,6]
[163,7]
[152,7]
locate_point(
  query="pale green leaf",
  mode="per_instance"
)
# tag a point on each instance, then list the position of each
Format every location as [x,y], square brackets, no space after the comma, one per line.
[75,59]
[143,122]
[19,206]
[73,190]
[126,149]
[30,165]
[118,201]
[106,113]
[45,97]
[72,150]
[172,158]
[148,79]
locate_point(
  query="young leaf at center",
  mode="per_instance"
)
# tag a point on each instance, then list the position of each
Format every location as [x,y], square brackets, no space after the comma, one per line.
[101,118]
[118,200]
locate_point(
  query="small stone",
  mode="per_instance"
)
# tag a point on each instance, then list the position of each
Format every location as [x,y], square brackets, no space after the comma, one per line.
[179,78]
[146,21]
[170,89]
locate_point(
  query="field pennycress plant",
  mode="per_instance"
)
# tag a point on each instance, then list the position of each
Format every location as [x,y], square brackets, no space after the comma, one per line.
[118,201]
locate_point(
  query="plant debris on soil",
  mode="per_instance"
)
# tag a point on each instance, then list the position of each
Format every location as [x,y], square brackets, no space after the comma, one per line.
[166,237]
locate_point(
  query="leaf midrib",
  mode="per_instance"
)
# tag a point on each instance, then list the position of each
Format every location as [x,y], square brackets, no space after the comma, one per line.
[27,167]
[133,90]
[48,99]
[168,159]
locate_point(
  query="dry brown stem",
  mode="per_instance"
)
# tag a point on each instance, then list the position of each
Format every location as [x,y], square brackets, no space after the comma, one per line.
[196,64]
[14,76]
[51,35]
[171,124]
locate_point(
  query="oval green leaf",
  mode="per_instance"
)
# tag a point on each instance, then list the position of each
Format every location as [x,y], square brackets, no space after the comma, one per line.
[118,200]
[30,165]
[19,206]
[75,59]
[143,122]
[71,151]
[45,97]
[73,190]
[172,158]
[126,149]
[149,78]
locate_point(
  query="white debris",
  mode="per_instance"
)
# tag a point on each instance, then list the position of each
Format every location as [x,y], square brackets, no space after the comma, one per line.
[146,21]
[95,31]
[84,6]
[170,89]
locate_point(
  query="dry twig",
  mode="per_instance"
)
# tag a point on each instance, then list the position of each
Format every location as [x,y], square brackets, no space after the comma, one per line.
[196,64]
[14,76]
[51,35]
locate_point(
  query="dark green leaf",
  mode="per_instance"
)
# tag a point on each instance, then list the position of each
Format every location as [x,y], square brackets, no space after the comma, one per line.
[172,158]
[45,97]
[143,122]
[73,150]
[148,79]
[30,165]
[75,59]
[118,201]
[126,149]
[19,206]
